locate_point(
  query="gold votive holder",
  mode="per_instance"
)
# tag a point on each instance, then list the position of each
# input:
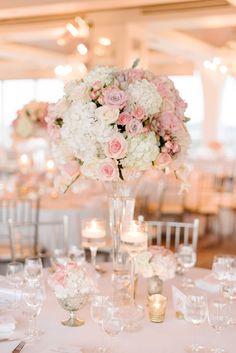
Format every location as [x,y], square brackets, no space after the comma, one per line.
[157,307]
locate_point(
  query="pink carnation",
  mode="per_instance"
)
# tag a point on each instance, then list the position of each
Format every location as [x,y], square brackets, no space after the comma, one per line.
[107,170]
[134,127]
[116,147]
[124,118]
[72,168]
[114,97]
[138,112]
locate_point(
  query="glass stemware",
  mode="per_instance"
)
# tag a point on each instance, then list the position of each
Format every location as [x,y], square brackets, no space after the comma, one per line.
[58,258]
[33,269]
[112,324]
[76,255]
[34,297]
[218,318]
[14,276]
[187,258]
[93,237]
[196,313]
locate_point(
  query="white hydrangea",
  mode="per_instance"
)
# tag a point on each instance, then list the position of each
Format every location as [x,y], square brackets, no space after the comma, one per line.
[145,94]
[142,151]
[100,73]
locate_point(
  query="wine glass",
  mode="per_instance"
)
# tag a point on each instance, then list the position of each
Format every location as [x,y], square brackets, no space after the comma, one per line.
[58,258]
[112,323]
[218,318]
[196,313]
[76,255]
[220,267]
[98,310]
[34,296]
[229,288]
[33,269]
[14,276]
[187,258]
[93,236]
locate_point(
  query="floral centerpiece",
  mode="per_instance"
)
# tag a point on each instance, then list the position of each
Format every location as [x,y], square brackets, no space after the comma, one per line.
[113,125]
[30,121]
[114,121]
[72,288]
[158,264]
[157,260]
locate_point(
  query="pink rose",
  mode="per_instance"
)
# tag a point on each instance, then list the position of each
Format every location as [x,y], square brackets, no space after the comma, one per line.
[161,88]
[107,170]
[163,160]
[97,86]
[94,95]
[72,168]
[135,75]
[167,105]
[115,97]
[170,121]
[134,127]
[180,107]
[171,147]
[116,147]
[124,118]
[138,112]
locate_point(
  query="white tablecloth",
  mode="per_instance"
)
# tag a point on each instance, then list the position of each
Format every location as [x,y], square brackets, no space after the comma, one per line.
[172,336]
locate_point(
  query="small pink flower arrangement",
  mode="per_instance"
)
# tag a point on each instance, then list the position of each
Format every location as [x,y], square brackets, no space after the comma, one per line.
[157,261]
[30,120]
[70,280]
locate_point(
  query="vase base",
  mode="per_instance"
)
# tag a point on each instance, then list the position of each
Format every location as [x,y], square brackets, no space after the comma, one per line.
[73,322]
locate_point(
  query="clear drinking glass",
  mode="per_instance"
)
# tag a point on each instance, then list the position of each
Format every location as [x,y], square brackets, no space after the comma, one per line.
[59,257]
[34,297]
[93,236]
[76,255]
[218,318]
[33,269]
[15,277]
[98,311]
[220,267]
[196,313]
[187,258]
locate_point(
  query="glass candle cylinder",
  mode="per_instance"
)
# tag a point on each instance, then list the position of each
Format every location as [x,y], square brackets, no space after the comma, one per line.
[157,307]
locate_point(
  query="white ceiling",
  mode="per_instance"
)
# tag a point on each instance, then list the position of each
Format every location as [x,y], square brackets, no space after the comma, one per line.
[169,36]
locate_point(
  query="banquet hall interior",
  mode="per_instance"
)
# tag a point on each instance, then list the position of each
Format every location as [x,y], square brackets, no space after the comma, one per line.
[86,86]
[46,43]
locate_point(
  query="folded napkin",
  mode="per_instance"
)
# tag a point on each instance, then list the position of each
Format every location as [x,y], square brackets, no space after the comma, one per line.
[208,283]
[7,326]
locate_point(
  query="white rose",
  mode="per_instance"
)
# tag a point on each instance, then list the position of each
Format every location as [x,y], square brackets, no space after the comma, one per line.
[107,114]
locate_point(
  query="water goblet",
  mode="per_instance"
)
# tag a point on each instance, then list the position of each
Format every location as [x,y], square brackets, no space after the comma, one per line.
[93,236]
[218,318]
[112,324]
[98,311]
[34,296]
[187,258]
[33,269]
[76,255]
[196,313]
[14,276]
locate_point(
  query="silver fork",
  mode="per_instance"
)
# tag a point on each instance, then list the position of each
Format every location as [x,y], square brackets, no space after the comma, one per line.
[19,347]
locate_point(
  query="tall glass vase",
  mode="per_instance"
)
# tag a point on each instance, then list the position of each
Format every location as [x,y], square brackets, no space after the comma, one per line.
[121,195]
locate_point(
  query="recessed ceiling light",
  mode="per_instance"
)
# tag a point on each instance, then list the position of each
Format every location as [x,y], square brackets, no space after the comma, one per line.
[104,41]
[82,49]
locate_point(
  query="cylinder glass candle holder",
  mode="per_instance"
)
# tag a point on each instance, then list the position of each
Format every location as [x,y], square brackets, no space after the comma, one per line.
[157,307]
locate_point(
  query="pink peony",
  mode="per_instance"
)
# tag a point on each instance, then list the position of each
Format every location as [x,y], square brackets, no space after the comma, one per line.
[163,160]
[170,121]
[138,112]
[107,170]
[72,168]
[124,118]
[134,127]
[114,97]
[116,147]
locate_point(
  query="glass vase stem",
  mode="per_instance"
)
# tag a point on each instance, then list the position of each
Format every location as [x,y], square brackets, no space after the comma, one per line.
[93,250]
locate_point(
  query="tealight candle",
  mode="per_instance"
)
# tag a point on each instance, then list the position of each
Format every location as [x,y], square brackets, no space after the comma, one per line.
[50,165]
[93,230]
[157,307]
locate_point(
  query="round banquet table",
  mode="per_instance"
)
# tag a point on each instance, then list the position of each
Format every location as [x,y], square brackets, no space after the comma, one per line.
[171,336]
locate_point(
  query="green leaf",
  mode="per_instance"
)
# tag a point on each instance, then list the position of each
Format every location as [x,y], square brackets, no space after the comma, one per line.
[135,63]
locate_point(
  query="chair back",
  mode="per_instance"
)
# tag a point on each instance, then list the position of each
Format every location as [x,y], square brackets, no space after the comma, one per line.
[173,233]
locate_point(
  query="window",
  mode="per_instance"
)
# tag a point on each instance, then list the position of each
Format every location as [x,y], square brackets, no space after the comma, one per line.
[227,123]
[190,89]
[14,94]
